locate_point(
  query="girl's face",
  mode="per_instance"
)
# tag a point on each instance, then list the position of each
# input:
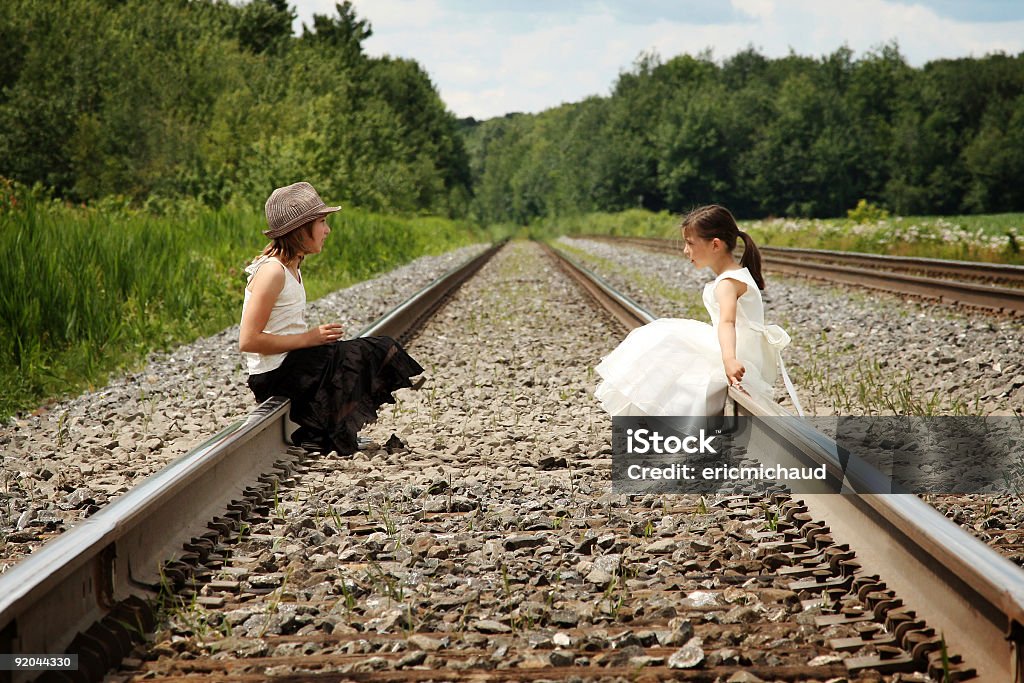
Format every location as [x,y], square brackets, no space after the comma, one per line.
[698,250]
[317,234]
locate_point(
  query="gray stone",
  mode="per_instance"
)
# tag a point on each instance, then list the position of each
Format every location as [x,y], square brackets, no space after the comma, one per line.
[25,536]
[414,658]
[562,640]
[599,578]
[744,677]
[663,547]
[565,617]
[491,626]
[25,518]
[608,563]
[741,614]
[524,541]
[679,633]
[425,643]
[79,498]
[688,656]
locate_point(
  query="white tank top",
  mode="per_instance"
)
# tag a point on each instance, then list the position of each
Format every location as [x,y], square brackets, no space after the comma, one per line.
[285,317]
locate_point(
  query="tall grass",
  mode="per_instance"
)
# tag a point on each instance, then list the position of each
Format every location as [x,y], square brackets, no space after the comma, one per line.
[84,291]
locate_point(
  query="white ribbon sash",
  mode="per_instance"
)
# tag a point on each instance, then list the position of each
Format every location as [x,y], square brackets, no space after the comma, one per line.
[779,339]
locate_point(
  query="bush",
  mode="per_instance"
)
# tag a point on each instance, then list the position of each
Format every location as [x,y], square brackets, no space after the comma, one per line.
[867,212]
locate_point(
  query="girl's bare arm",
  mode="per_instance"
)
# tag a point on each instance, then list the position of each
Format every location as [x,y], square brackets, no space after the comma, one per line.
[726,293]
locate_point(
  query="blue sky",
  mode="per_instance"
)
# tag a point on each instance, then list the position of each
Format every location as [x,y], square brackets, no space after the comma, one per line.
[491,57]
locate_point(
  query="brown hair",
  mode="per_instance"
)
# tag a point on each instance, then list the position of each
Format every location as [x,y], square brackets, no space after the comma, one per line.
[714,221]
[291,244]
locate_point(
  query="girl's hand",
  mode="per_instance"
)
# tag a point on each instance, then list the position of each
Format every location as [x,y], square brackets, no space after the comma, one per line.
[328,333]
[734,370]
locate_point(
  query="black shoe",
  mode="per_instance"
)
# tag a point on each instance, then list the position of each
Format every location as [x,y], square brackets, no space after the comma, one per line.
[309,441]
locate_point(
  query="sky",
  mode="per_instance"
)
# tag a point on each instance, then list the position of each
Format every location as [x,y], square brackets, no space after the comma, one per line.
[488,58]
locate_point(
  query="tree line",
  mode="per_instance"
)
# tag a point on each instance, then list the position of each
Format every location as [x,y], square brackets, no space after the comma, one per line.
[794,136]
[206,99]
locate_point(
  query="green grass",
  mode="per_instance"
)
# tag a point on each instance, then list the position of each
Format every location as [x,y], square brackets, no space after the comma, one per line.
[85,291]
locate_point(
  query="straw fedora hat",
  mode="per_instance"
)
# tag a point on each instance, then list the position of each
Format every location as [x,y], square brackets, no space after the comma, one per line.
[291,207]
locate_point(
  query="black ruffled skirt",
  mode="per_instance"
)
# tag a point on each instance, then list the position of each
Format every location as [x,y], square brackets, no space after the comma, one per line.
[336,389]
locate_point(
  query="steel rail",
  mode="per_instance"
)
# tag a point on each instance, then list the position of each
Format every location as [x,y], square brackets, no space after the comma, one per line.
[999,299]
[53,601]
[971,270]
[963,589]
[403,320]
[627,312]
[890,273]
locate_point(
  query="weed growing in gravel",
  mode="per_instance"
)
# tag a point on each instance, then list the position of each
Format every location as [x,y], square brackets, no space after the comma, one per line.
[434,407]
[614,596]
[384,514]
[460,626]
[384,583]
[348,598]
[183,613]
[149,407]
[871,388]
[396,408]
[275,601]
[278,509]
[944,654]
[63,430]
[336,517]
[771,517]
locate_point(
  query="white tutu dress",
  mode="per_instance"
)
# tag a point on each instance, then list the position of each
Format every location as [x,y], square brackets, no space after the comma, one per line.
[673,367]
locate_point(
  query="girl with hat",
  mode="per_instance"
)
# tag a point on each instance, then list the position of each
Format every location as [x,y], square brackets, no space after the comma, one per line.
[335,386]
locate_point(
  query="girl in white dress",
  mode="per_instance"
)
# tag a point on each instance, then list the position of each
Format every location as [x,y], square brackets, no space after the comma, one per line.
[674,367]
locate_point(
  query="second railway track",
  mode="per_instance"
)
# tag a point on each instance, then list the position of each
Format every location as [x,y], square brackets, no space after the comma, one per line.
[994,287]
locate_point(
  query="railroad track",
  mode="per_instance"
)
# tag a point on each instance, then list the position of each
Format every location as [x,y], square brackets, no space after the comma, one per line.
[88,591]
[990,286]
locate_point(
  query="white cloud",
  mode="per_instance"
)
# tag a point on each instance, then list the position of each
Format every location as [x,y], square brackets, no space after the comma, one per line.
[755,8]
[484,66]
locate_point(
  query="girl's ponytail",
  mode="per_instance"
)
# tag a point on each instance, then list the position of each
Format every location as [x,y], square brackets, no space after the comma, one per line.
[717,222]
[751,259]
